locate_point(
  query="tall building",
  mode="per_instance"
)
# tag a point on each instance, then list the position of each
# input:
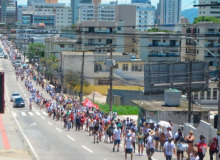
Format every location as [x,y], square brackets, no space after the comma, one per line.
[11,13]
[141,1]
[30,2]
[59,15]
[169,11]
[75,9]
[211,11]
[3,4]
[51,1]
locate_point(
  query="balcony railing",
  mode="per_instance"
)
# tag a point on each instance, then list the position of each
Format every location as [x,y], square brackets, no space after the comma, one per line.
[163,55]
[155,45]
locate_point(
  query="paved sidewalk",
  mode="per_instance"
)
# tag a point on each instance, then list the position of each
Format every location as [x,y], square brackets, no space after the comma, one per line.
[12,144]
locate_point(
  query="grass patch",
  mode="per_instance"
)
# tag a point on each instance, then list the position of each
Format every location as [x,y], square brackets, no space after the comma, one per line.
[121,110]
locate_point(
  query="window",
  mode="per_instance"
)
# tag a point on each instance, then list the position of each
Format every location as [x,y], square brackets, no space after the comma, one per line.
[215,91]
[103,82]
[208,94]
[196,95]
[134,67]
[164,41]
[97,67]
[108,41]
[70,46]
[211,30]
[119,28]
[210,43]
[125,67]
[100,40]
[202,95]
[62,45]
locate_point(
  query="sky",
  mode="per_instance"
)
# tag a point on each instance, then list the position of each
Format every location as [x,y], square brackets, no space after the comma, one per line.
[153,2]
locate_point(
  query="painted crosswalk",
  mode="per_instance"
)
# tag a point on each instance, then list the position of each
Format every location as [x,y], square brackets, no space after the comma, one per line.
[27,113]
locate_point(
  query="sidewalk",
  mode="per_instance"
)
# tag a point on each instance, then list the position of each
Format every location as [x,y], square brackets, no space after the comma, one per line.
[12,144]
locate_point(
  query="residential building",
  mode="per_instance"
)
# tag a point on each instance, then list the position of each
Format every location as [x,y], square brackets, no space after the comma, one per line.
[145,13]
[51,1]
[100,33]
[141,1]
[211,11]
[30,2]
[184,20]
[145,16]
[55,45]
[19,13]
[203,33]
[3,4]
[97,73]
[169,11]
[157,47]
[11,13]
[75,9]
[62,14]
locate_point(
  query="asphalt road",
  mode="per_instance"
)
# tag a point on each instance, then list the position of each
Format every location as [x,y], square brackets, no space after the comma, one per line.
[46,137]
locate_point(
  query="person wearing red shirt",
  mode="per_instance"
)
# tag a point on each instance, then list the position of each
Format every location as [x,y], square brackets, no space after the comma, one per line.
[213,148]
[71,118]
[82,120]
[200,147]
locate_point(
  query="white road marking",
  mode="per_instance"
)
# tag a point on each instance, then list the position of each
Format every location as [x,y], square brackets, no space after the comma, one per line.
[42,117]
[18,84]
[25,95]
[6,92]
[58,129]
[70,138]
[87,149]
[28,100]
[22,90]
[28,142]
[23,113]
[14,114]
[38,113]
[31,113]
[33,108]
[50,123]
[44,113]
[34,124]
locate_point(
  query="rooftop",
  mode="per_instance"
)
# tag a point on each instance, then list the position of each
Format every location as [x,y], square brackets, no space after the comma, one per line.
[159,106]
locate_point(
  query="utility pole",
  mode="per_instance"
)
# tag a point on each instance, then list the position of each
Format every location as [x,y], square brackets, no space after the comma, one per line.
[111,91]
[61,72]
[190,92]
[82,72]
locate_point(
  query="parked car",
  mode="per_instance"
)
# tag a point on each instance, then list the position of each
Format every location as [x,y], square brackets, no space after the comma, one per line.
[19,102]
[1,55]
[13,95]
[6,56]
[18,63]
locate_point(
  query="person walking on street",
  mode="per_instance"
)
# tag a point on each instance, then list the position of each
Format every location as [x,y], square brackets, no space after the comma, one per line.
[150,145]
[128,146]
[202,147]
[190,139]
[169,149]
[133,136]
[194,154]
[68,121]
[96,132]
[213,148]
[117,137]
[140,137]
[77,123]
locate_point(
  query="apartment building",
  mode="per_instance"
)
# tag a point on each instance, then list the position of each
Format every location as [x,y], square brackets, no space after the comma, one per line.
[169,11]
[11,13]
[62,14]
[30,2]
[141,1]
[157,47]
[205,34]
[51,1]
[75,9]
[211,11]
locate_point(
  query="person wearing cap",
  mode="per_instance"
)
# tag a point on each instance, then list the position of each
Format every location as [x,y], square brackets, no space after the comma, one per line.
[213,147]
[117,137]
[169,149]
[150,145]
[128,146]
[190,140]
[202,147]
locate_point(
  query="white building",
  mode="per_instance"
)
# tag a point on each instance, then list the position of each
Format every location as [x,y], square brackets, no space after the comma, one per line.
[169,11]
[145,16]
[63,14]
[210,11]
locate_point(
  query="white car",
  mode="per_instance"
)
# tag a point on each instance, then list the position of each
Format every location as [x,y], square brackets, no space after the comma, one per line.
[14,95]
[18,63]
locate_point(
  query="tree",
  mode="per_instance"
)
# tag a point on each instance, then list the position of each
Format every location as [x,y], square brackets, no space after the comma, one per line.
[36,49]
[73,79]
[206,19]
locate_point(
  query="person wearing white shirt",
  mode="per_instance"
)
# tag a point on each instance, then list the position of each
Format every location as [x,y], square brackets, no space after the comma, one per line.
[169,148]
[117,137]
[128,146]
[168,134]
[150,145]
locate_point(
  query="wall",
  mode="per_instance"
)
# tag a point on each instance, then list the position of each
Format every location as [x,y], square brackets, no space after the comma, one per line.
[203,128]
[128,95]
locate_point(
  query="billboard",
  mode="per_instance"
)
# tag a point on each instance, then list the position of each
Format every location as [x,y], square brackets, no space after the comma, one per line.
[2,99]
[161,76]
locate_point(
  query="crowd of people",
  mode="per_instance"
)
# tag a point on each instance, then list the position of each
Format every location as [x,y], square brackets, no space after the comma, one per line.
[146,137]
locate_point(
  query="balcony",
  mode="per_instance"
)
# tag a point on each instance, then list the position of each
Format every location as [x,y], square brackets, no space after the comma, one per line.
[211,58]
[155,45]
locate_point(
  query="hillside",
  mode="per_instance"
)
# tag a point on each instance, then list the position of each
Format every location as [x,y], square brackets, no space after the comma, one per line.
[190,13]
